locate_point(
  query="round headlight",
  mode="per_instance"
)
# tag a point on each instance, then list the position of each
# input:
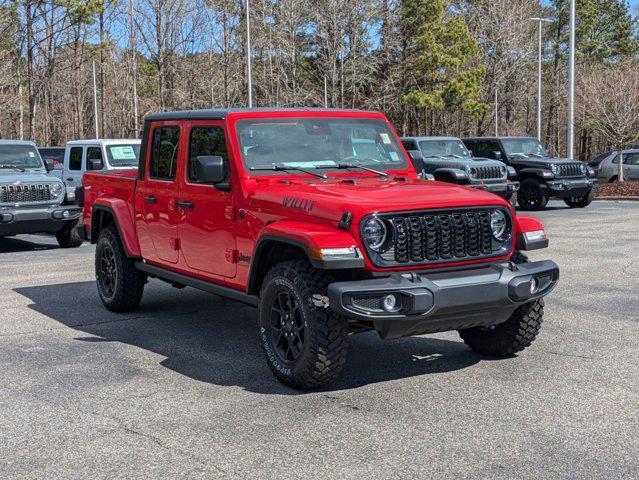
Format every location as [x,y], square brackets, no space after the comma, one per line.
[374,233]
[554,169]
[584,169]
[498,225]
[56,189]
[502,170]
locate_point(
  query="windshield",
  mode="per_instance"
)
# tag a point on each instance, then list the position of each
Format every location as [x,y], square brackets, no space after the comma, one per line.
[19,156]
[524,146]
[317,143]
[443,148]
[123,155]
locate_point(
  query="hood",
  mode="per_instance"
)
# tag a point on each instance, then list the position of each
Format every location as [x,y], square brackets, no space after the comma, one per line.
[543,162]
[362,196]
[30,176]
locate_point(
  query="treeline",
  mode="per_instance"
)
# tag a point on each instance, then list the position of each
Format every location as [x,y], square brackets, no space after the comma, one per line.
[433,66]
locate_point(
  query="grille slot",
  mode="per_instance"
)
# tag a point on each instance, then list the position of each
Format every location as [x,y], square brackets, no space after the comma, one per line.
[571,170]
[440,237]
[25,193]
[487,173]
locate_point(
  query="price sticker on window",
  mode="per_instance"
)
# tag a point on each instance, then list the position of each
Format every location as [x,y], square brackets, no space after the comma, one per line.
[385,138]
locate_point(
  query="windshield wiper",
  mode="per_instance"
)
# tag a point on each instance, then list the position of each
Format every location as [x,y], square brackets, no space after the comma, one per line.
[283,168]
[538,155]
[14,167]
[342,166]
[453,155]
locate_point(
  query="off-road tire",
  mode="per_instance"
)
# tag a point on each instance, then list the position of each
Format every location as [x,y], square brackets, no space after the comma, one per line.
[67,236]
[323,353]
[512,336]
[126,290]
[581,202]
[532,195]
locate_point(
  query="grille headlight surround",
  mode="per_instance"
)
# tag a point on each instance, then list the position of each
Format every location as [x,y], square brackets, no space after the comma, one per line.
[374,233]
[56,189]
[499,225]
[555,169]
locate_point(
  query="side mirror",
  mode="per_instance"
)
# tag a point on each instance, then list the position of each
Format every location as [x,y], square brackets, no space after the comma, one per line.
[418,160]
[497,155]
[49,165]
[470,152]
[96,164]
[209,169]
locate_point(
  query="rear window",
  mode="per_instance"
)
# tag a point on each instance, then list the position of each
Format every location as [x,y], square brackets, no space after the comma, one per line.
[164,154]
[54,154]
[595,162]
[123,155]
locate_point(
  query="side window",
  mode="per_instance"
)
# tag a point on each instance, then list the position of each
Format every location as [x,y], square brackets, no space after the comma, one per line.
[632,159]
[207,141]
[409,145]
[75,158]
[93,153]
[164,153]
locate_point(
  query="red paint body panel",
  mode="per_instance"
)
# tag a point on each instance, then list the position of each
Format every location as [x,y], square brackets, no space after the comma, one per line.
[206,241]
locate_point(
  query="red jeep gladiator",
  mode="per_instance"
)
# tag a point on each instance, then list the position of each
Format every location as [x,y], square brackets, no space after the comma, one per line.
[318,219]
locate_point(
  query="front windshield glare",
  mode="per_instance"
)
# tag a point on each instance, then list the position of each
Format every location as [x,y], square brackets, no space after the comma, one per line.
[123,155]
[19,156]
[443,148]
[524,146]
[318,143]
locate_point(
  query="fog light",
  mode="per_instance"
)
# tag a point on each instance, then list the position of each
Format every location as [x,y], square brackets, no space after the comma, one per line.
[389,302]
[534,286]
[65,214]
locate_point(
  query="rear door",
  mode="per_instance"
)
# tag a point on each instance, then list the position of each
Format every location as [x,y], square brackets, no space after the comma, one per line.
[631,166]
[207,227]
[94,152]
[156,195]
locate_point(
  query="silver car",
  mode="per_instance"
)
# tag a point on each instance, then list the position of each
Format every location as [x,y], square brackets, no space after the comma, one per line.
[607,166]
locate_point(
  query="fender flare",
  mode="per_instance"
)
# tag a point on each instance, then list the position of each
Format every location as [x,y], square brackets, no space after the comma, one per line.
[540,173]
[526,224]
[123,222]
[307,237]
[456,174]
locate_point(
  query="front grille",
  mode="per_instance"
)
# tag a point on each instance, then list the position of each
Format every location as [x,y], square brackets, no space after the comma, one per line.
[487,173]
[571,170]
[438,237]
[25,193]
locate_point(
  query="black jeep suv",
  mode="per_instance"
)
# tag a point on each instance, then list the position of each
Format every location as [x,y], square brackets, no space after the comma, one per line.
[540,175]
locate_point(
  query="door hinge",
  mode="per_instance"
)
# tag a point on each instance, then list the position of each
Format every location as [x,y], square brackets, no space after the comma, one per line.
[176,244]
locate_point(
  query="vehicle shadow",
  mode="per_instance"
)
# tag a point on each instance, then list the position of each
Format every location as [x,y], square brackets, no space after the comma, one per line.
[14,245]
[209,339]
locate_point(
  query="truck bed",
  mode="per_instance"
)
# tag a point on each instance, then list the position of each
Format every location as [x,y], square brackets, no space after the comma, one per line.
[120,185]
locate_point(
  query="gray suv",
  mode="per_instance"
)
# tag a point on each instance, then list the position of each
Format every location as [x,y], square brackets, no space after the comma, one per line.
[448,160]
[31,200]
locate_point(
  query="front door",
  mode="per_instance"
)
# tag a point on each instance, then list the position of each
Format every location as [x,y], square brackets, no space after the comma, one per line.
[206,225]
[631,166]
[73,172]
[156,196]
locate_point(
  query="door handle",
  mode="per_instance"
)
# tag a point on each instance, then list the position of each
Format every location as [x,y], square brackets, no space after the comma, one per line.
[150,199]
[184,204]
[70,179]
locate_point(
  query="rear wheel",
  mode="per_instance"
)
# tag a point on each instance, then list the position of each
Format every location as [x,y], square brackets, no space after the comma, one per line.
[304,344]
[120,284]
[512,336]
[581,202]
[532,195]
[68,237]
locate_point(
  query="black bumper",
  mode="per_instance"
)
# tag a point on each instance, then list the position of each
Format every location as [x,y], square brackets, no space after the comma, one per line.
[15,221]
[436,302]
[571,187]
[504,189]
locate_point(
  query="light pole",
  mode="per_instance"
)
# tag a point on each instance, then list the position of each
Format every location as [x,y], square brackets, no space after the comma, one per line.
[248,56]
[571,84]
[539,53]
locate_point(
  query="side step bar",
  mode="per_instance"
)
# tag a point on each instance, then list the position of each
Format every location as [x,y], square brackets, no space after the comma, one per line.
[203,285]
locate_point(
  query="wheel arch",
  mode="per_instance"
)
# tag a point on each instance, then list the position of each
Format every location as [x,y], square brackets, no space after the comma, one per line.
[104,214]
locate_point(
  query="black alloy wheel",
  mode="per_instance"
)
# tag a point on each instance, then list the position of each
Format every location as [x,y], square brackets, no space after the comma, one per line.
[531,195]
[108,274]
[286,326]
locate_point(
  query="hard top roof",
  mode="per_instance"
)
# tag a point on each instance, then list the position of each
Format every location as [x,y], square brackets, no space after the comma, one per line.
[17,142]
[422,138]
[104,141]
[501,137]
[221,114]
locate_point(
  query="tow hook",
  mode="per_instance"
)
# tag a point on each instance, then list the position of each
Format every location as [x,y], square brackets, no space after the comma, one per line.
[320,301]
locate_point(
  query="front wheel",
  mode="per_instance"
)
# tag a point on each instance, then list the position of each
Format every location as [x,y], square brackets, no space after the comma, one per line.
[67,236]
[304,344]
[581,202]
[120,284]
[532,195]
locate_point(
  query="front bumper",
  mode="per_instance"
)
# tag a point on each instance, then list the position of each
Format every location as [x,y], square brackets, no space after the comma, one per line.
[571,187]
[15,220]
[504,189]
[441,301]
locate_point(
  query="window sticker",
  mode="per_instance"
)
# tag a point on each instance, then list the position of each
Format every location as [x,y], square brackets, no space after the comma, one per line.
[385,138]
[394,156]
[32,154]
[124,152]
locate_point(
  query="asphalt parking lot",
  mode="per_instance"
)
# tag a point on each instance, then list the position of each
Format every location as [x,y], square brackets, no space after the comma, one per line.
[179,388]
